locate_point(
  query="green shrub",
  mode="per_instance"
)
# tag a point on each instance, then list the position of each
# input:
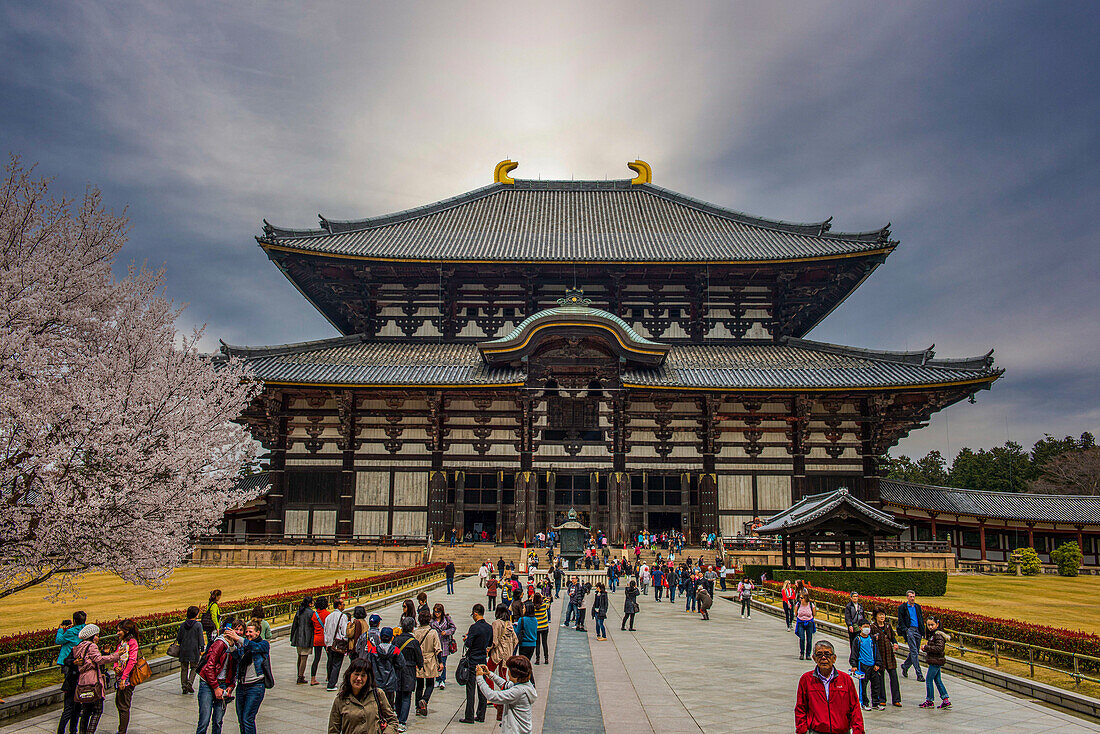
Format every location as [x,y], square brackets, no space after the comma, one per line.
[753,571]
[1027,560]
[1068,558]
[872,583]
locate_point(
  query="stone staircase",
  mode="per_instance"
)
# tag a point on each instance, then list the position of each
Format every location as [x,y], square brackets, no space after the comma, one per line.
[468,557]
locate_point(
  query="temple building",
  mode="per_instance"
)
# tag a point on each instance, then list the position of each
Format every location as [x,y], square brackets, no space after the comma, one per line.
[613,347]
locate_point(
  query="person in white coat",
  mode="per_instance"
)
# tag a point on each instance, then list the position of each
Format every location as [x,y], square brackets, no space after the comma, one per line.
[516,696]
[482,574]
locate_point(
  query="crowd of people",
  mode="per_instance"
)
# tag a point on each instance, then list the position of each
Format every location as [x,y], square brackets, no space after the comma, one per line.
[392,670]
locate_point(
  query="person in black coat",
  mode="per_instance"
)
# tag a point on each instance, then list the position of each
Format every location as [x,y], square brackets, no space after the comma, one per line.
[192,642]
[630,606]
[599,611]
[414,658]
[911,628]
[70,715]
[301,636]
[854,617]
[479,638]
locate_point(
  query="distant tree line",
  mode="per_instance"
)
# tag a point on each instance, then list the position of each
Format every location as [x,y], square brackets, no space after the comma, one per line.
[1053,466]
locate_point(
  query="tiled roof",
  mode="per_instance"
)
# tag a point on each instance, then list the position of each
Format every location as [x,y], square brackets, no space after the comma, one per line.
[998,505]
[808,510]
[611,221]
[260,480]
[558,312]
[795,364]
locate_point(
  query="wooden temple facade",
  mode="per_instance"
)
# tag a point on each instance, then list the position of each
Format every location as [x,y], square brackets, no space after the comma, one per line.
[609,346]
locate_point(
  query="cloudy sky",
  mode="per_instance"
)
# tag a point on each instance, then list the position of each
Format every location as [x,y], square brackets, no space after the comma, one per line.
[972,127]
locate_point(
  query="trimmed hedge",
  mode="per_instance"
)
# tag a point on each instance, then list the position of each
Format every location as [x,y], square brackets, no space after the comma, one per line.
[871,583]
[753,571]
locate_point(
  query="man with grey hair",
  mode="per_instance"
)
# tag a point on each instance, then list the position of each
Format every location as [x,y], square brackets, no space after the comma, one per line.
[827,701]
[911,628]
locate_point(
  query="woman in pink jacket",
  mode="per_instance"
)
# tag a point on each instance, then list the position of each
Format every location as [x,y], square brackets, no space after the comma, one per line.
[127,658]
[91,678]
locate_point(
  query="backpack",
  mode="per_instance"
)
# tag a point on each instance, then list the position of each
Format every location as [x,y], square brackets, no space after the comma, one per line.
[363,646]
[207,620]
[384,661]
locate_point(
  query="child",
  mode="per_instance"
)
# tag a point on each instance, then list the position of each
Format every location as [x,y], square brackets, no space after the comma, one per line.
[935,650]
[871,668]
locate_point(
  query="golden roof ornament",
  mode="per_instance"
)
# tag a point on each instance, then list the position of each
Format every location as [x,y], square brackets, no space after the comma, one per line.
[645,173]
[500,173]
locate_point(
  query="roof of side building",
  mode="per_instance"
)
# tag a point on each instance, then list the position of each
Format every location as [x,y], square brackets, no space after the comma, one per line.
[1000,505]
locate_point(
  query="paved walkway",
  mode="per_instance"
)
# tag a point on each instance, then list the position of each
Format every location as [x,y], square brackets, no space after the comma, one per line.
[675,674]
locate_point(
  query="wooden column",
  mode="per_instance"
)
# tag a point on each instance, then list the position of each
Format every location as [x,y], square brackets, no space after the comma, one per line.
[932,518]
[796,445]
[345,510]
[871,552]
[1030,534]
[806,541]
[440,521]
[708,483]
[981,536]
[618,482]
[275,409]
[525,502]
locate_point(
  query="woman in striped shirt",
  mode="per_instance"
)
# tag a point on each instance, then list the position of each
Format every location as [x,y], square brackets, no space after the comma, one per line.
[542,616]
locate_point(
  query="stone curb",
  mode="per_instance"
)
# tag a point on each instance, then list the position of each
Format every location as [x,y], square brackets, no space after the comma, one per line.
[1058,697]
[29,701]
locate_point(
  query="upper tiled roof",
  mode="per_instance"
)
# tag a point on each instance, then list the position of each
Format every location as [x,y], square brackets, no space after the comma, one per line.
[795,364]
[806,512]
[592,221]
[998,505]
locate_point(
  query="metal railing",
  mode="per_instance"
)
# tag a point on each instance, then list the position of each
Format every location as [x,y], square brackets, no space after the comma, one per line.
[294,539]
[996,648]
[24,664]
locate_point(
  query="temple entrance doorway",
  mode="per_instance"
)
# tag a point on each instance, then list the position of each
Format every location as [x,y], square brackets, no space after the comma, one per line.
[480,525]
[661,521]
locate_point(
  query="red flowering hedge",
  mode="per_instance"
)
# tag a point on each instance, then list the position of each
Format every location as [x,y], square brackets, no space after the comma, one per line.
[45,638]
[952,620]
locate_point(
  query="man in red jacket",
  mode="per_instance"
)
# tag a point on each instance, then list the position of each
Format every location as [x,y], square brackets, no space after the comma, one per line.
[217,675]
[827,701]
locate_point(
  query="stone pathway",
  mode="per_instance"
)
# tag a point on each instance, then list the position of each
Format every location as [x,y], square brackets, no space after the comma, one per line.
[675,674]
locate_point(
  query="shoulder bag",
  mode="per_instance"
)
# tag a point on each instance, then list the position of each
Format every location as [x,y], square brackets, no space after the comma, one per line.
[463,671]
[173,650]
[141,671]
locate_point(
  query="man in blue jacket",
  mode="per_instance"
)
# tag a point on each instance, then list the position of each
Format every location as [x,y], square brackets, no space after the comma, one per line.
[910,626]
[68,635]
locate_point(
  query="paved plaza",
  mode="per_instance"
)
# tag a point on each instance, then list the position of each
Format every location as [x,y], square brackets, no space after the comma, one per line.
[675,674]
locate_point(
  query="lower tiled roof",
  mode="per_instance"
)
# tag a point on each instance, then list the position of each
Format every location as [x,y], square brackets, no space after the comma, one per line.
[809,510]
[998,505]
[795,364]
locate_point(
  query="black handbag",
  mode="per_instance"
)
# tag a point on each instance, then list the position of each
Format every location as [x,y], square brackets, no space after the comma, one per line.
[464,670]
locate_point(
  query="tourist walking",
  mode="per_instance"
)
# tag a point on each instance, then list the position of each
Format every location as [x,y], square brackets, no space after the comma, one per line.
[336,641]
[658,578]
[124,666]
[911,628]
[491,592]
[301,636]
[254,677]
[320,614]
[744,594]
[786,594]
[599,611]
[360,707]
[445,628]
[211,618]
[630,605]
[191,642]
[505,639]
[935,651]
[527,628]
[479,638]
[357,629]
[870,664]
[887,643]
[91,681]
[431,648]
[515,695]
[449,573]
[805,624]
[409,648]
[217,676]
[691,584]
[826,700]
[542,618]
[571,609]
[854,617]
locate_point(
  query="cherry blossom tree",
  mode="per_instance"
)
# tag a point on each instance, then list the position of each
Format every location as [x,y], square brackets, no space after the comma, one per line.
[117,440]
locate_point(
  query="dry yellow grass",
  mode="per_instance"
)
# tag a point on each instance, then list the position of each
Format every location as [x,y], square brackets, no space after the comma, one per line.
[106,596]
[1056,601]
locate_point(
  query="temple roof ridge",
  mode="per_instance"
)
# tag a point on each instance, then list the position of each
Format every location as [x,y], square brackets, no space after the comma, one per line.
[924,357]
[274,350]
[822,230]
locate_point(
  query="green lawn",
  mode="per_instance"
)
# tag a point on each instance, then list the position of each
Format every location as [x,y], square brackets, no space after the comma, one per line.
[1051,600]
